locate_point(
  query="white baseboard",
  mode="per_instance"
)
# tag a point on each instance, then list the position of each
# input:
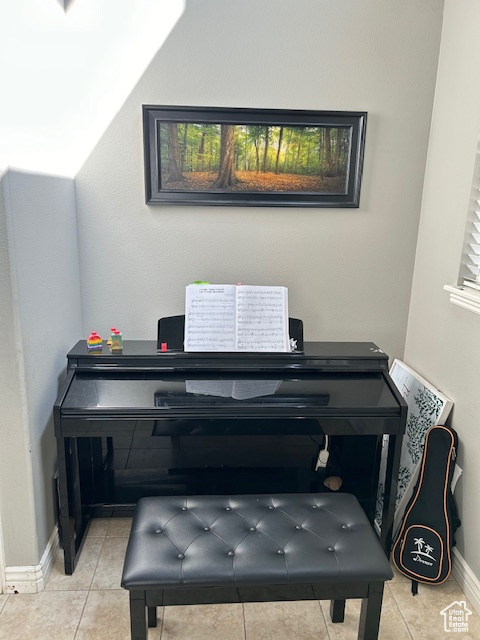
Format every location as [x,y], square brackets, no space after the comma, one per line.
[468,581]
[32,579]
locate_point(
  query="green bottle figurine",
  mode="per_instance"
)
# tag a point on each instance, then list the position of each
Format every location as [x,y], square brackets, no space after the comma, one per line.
[117,340]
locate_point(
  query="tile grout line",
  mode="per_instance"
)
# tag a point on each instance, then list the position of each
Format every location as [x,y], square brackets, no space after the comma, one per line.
[244,622]
[324,620]
[163,619]
[97,563]
[5,603]
[319,604]
[392,593]
[90,586]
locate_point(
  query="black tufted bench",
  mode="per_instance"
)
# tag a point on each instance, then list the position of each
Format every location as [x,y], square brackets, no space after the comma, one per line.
[246,548]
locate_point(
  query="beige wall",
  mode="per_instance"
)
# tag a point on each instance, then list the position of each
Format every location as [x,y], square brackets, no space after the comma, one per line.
[375,56]
[13,424]
[40,318]
[443,341]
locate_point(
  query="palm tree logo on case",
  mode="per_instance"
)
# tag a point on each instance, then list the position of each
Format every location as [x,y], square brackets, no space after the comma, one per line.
[422,548]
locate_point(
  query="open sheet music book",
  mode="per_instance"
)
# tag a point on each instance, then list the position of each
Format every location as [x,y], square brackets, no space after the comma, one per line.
[229,317]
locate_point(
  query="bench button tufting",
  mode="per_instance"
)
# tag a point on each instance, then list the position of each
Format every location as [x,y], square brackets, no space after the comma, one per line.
[230,553]
[181,556]
[228,508]
[158,531]
[281,552]
[184,508]
[206,529]
[271,507]
[315,506]
[344,526]
[298,526]
[331,548]
[253,528]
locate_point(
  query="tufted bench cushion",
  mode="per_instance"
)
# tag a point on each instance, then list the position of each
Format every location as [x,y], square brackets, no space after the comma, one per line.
[181,543]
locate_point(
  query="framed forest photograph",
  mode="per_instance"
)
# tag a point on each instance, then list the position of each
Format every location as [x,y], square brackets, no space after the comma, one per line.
[253,157]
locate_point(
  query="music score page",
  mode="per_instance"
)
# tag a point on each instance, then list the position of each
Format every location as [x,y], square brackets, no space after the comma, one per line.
[226,317]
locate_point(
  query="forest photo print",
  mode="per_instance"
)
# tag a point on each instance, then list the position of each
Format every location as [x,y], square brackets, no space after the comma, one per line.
[271,157]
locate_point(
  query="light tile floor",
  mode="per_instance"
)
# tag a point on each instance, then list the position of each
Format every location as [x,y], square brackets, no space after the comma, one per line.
[90,605]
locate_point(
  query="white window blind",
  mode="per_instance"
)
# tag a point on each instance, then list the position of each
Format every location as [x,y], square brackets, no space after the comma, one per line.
[471,262]
[470,267]
[466,293]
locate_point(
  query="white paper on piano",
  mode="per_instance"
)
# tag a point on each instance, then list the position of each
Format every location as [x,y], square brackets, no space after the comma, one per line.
[237,389]
[229,317]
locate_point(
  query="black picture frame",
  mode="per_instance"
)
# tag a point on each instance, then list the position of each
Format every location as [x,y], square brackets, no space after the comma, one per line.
[253,157]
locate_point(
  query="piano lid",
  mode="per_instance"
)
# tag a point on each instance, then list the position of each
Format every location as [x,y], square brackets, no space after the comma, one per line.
[317,356]
[141,394]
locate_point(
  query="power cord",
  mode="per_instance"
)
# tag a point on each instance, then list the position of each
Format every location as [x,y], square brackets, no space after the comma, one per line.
[323,456]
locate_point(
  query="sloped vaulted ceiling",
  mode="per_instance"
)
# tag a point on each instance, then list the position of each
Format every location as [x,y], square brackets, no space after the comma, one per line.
[68,68]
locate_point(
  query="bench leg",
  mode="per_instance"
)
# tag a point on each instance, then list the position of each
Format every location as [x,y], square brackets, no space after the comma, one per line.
[138,623]
[370,612]
[152,616]
[337,610]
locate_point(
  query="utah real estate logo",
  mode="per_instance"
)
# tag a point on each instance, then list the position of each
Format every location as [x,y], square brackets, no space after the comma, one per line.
[455,617]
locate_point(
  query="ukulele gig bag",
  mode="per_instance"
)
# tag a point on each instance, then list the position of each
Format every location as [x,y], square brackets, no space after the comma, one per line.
[423,544]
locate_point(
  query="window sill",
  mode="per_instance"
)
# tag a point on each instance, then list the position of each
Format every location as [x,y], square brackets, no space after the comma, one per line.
[466,298]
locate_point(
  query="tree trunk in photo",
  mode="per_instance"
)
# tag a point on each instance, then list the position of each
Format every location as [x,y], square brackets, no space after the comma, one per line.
[280,137]
[201,152]
[307,168]
[226,173]
[257,156]
[328,152]
[175,166]
[337,151]
[285,161]
[321,139]
[297,157]
[267,131]
[245,150]
[210,156]
[328,146]
[184,148]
